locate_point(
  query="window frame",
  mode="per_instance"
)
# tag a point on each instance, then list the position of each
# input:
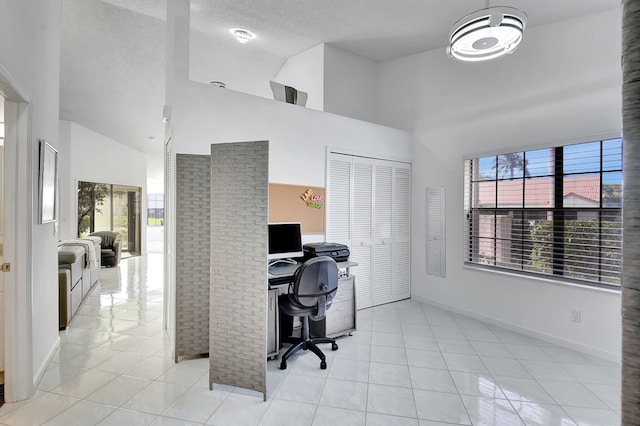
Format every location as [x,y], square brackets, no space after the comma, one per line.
[607,275]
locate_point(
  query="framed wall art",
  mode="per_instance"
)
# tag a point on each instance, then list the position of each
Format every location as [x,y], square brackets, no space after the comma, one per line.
[48,184]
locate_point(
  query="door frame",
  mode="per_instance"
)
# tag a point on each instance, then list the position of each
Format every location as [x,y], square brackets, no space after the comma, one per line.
[18,192]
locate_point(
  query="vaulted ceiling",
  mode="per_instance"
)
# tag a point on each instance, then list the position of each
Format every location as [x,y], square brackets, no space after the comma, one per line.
[113,51]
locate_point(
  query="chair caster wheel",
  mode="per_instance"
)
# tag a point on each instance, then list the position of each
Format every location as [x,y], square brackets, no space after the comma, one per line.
[283,365]
[334,346]
[323,365]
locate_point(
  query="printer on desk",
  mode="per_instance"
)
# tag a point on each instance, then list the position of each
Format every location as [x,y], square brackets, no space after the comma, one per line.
[339,252]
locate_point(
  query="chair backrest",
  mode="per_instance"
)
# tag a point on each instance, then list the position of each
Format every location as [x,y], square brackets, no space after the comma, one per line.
[109,238]
[315,285]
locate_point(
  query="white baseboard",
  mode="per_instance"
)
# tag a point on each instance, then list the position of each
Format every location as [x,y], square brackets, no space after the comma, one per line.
[42,368]
[579,347]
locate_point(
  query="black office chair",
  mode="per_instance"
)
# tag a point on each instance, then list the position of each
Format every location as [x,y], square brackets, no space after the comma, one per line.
[310,295]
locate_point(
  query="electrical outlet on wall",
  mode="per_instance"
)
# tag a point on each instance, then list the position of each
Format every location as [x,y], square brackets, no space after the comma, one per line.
[576,315]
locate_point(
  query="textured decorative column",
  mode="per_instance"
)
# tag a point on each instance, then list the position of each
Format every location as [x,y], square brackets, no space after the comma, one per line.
[631,213]
[238,298]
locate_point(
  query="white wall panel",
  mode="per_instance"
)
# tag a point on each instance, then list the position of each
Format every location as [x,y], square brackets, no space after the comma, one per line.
[435,235]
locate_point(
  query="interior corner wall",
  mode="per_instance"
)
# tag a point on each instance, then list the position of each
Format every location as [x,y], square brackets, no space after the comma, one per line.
[305,72]
[30,52]
[92,157]
[562,85]
[351,85]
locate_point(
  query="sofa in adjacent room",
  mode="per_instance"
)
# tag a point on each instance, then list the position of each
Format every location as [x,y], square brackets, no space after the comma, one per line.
[78,270]
[111,247]
[71,263]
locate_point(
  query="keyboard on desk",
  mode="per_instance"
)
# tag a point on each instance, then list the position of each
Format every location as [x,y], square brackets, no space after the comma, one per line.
[282,273]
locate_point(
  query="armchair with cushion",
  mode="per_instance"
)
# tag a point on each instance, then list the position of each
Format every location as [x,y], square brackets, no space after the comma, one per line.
[310,295]
[111,247]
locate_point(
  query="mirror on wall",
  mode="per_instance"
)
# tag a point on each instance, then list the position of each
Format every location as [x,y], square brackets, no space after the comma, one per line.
[110,207]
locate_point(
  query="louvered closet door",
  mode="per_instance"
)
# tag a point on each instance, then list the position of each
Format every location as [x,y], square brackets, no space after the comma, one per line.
[383,232]
[339,199]
[369,209]
[361,228]
[401,284]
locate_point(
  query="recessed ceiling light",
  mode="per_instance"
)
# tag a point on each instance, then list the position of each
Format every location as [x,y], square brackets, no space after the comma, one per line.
[486,34]
[242,36]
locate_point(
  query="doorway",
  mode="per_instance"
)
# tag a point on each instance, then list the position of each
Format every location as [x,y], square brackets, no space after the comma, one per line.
[16,239]
[109,207]
[1,249]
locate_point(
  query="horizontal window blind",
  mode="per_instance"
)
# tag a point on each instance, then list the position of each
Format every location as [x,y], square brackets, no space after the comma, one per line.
[554,211]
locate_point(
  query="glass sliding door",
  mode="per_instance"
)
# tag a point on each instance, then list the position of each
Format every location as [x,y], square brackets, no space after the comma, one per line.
[126,217]
[108,207]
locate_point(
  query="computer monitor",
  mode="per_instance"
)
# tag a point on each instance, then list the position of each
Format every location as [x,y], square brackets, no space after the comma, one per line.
[285,240]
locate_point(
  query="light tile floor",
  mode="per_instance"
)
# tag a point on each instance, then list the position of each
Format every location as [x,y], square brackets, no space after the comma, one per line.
[408,364]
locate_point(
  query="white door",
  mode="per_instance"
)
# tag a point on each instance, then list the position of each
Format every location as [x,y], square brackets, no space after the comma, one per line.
[339,196]
[362,230]
[16,242]
[382,194]
[1,233]
[369,209]
[401,283]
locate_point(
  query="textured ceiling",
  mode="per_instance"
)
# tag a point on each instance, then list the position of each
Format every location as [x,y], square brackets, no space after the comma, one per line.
[113,51]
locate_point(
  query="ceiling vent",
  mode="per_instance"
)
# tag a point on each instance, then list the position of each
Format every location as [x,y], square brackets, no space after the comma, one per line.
[288,94]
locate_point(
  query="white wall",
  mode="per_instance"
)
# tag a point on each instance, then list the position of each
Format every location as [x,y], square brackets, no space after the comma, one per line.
[93,157]
[337,81]
[298,137]
[350,85]
[562,85]
[305,72]
[30,52]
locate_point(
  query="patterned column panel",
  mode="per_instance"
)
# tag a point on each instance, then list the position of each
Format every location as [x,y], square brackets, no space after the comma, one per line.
[193,205]
[238,304]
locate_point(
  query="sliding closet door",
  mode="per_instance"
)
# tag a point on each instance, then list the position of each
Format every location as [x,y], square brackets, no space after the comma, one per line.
[382,195]
[401,282]
[362,230]
[377,211]
[339,216]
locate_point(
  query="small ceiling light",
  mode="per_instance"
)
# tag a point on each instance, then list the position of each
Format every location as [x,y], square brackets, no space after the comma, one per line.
[242,36]
[486,34]
[219,84]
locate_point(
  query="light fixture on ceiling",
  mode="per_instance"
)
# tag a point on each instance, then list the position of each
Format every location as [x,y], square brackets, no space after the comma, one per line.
[166,114]
[486,34]
[219,84]
[242,36]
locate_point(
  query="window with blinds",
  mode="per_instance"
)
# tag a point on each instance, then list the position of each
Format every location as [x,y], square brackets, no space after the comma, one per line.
[553,211]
